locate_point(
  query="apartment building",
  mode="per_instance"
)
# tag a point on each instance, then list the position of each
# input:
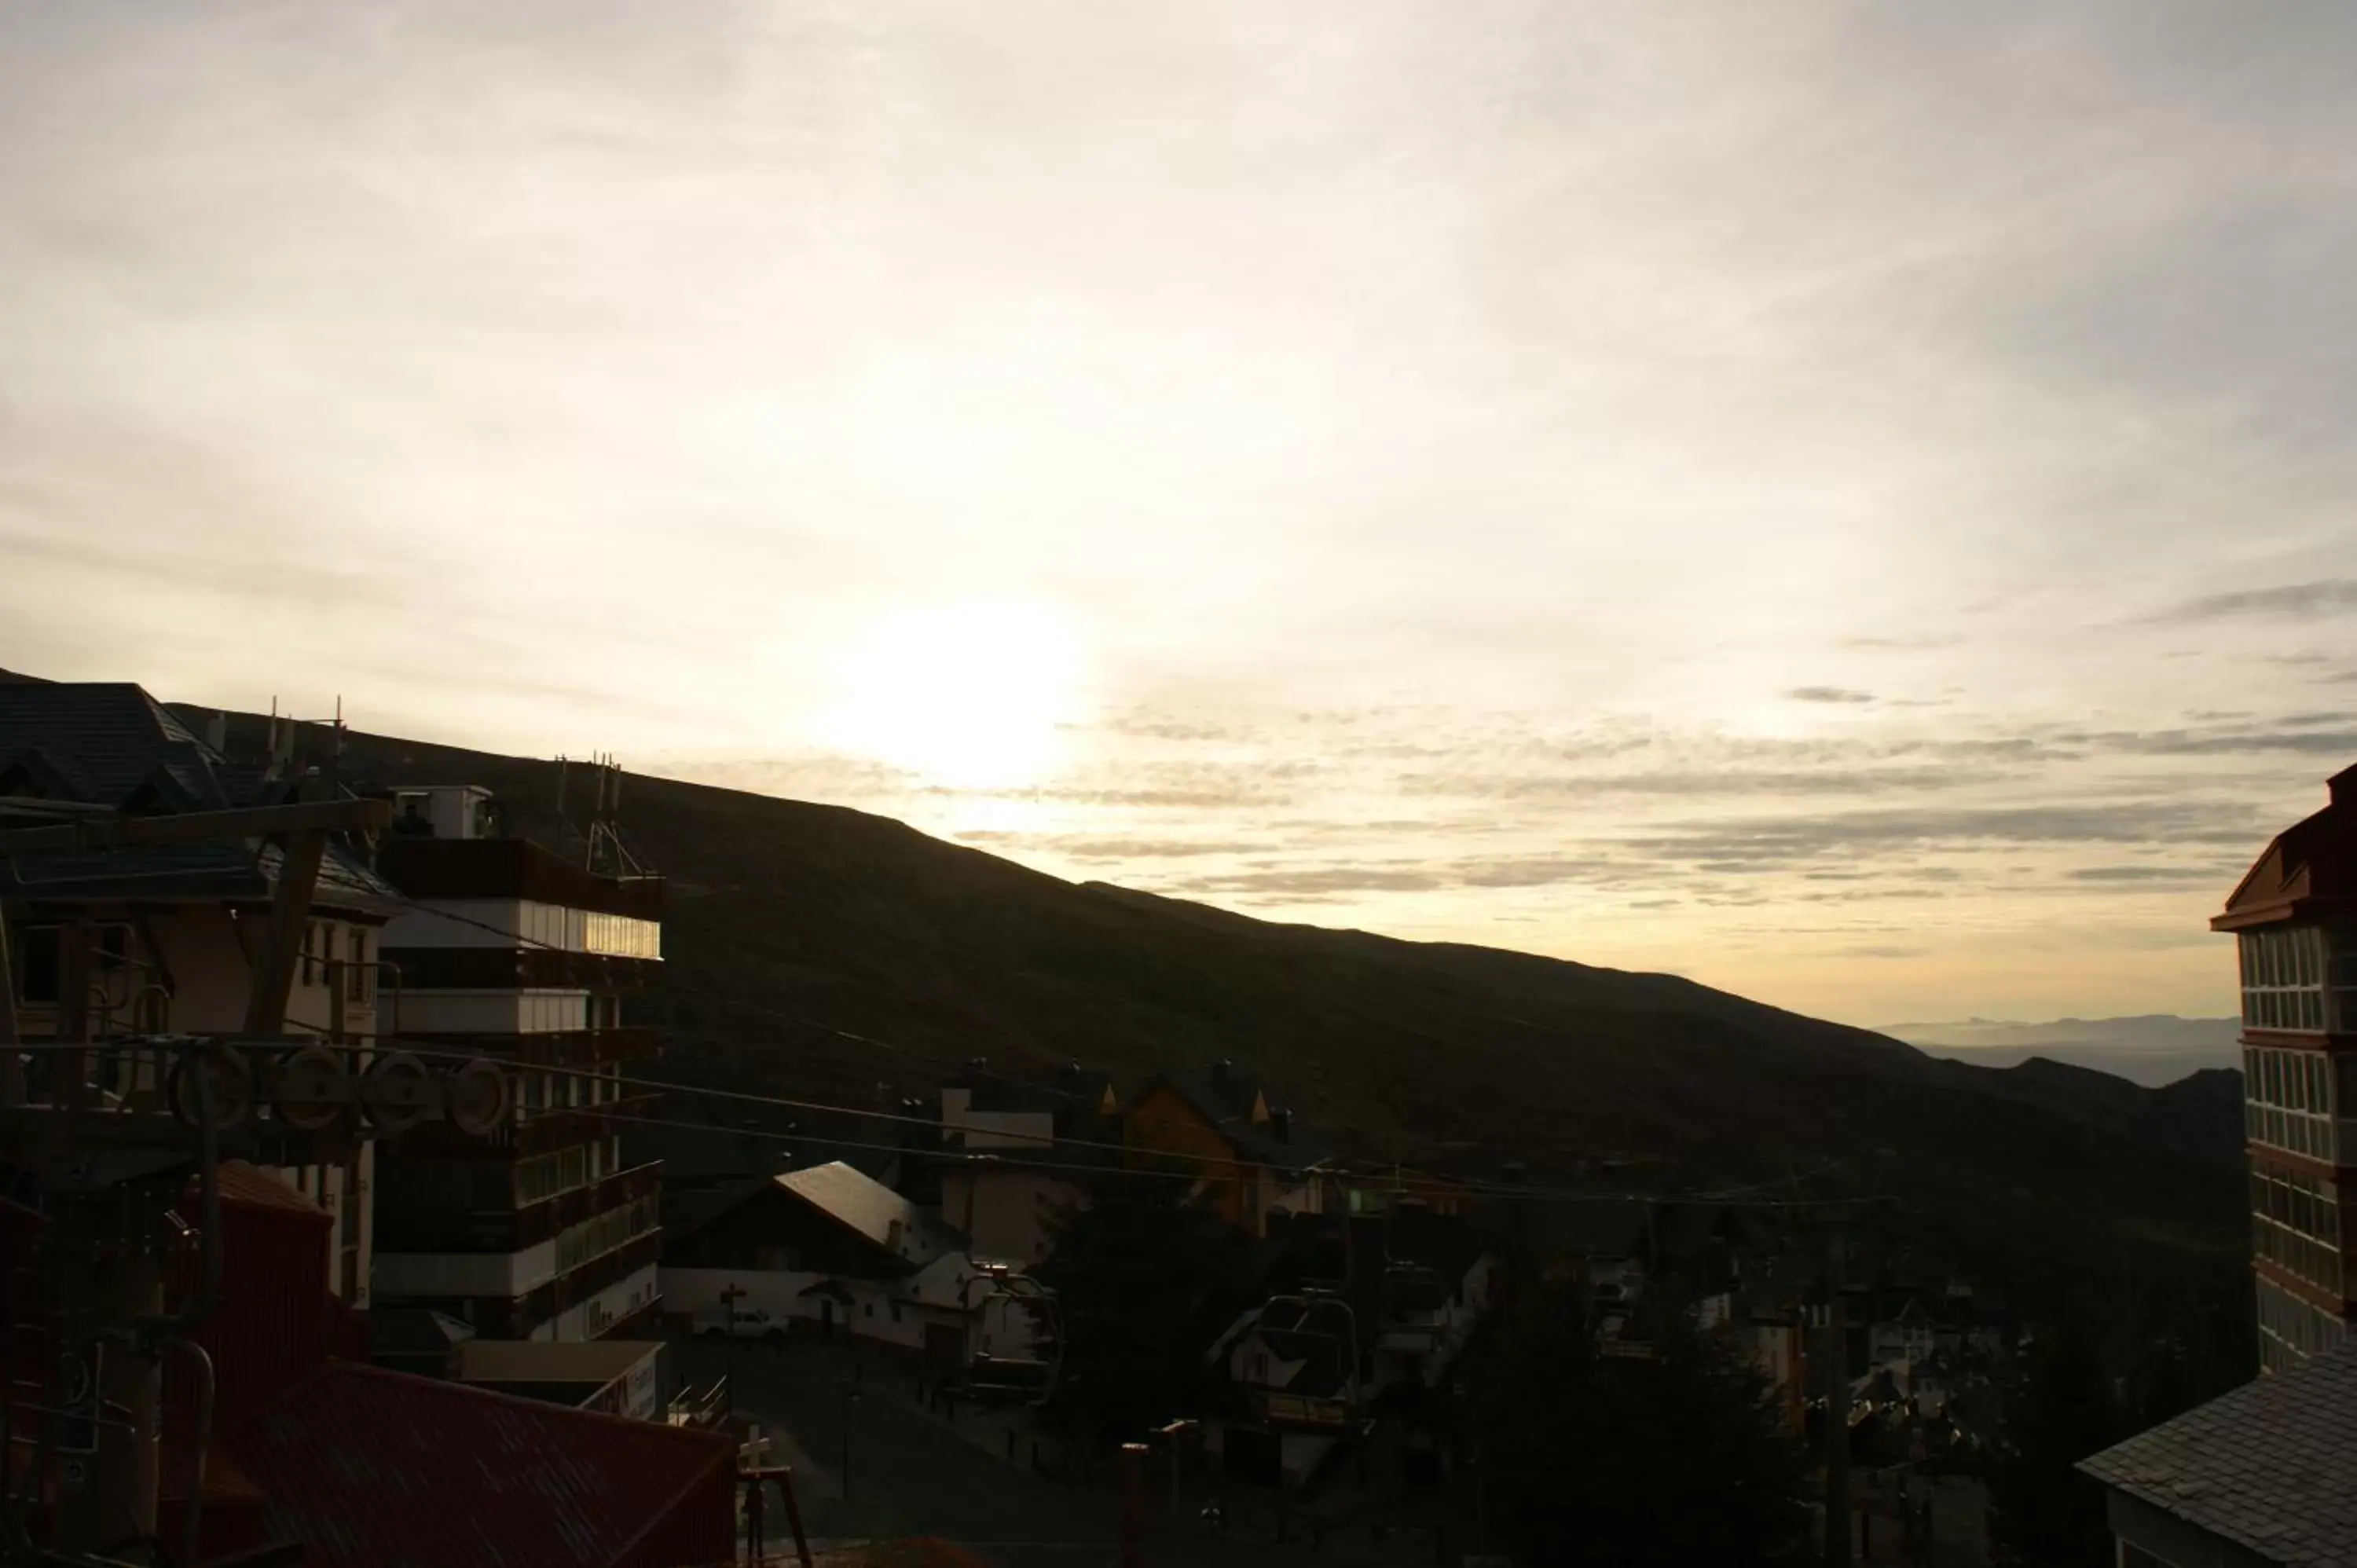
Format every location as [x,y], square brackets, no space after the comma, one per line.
[508,949]
[2294,918]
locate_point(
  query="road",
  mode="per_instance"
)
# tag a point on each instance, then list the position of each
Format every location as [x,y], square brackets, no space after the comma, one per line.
[909,1474]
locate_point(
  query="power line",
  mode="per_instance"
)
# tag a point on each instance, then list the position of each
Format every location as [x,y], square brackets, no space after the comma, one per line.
[1391,1170]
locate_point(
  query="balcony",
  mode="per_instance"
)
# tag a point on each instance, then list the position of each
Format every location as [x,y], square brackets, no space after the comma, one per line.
[426,1228]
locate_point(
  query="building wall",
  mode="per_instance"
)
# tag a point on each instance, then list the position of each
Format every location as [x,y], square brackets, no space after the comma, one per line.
[1164,1122]
[1007,1214]
[502,1012]
[621,1300]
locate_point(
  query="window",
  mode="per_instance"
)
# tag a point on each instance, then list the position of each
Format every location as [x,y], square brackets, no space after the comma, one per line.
[359,979]
[2299,977]
[38,959]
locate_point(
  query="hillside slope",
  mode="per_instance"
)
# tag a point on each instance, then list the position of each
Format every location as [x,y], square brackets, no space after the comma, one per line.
[790,920]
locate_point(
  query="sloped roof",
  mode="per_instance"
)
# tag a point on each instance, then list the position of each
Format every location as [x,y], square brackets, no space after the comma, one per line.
[2271,1466]
[1230,1098]
[2309,869]
[377,1469]
[867,1208]
[249,1187]
[111,739]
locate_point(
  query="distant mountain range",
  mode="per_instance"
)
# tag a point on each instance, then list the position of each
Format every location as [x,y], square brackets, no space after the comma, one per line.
[2154,1049]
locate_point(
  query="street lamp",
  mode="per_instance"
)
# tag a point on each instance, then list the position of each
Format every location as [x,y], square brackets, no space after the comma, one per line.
[850,1397]
[1171,1435]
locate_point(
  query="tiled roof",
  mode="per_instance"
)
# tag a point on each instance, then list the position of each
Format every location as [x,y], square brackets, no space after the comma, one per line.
[111,739]
[250,1187]
[2309,868]
[2271,1466]
[195,870]
[377,1469]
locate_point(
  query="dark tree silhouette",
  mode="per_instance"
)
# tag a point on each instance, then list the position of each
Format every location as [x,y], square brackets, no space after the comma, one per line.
[1588,1459]
[2063,1408]
[1145,1280]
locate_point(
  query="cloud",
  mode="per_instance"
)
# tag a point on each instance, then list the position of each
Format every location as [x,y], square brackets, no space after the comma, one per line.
[1879,951]
[1900,642]
[1751,842]
[2290,601]
[1827,694]
[1315,880]
[2155,873]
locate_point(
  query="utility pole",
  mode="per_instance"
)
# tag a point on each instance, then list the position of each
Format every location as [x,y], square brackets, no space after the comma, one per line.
[1173,1434]
[728,1300]
[1837,1554]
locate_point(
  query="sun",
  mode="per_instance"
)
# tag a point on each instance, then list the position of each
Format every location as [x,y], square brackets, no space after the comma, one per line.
[970,695]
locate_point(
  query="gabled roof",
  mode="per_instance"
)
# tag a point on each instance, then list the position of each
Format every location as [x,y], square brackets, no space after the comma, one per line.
[868,1208]
[2309,870]
[377,1469]
[1238,1106]
[2271,1466]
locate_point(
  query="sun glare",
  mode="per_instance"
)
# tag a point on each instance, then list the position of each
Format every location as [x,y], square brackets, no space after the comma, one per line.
[969,695]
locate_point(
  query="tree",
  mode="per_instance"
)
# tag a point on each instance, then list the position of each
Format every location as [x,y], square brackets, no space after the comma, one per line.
[1588,1459]
[2063,1410]
[1142,1279]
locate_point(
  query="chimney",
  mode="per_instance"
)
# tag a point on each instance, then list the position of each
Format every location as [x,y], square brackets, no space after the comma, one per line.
[1220,1070]
[977,1069]
[2342,788]
[1282,1122]
[1071,1074]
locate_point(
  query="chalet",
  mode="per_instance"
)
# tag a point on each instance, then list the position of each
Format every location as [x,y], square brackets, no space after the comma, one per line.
[1218,1121]
[829,1249]
[1322,1362]
[172,938]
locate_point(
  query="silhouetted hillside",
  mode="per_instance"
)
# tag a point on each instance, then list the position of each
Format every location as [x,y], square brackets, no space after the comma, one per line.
[788,919]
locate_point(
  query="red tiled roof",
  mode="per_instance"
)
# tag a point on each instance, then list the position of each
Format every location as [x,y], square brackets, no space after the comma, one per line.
[378,1469]
[249,1187]
[2309,869]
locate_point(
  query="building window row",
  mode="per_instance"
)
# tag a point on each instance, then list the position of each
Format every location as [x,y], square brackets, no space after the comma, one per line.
[542,1177]
[2291,1098]
[621,936]
[2291,1329]
[2301,978]
[602,1233]
[2296,1224]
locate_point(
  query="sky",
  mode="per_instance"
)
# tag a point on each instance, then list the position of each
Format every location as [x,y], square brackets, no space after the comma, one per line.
[1849,503]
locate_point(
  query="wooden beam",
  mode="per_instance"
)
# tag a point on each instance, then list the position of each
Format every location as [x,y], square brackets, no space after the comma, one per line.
[290,911]
[196,827]
[12,1071]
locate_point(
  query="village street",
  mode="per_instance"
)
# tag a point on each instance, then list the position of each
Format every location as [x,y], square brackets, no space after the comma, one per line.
[916,1473]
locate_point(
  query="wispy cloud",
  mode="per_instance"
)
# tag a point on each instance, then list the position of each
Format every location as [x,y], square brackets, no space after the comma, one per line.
[2289,601]
[1827,694]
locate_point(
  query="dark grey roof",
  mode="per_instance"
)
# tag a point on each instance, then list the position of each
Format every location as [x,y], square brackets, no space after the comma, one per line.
[110,745]
[107,743]
[2271,1466]
[202,872]
[1225,1097]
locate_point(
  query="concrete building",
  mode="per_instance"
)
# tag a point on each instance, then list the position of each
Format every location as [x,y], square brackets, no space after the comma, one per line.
[2294,918]
[508,949]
